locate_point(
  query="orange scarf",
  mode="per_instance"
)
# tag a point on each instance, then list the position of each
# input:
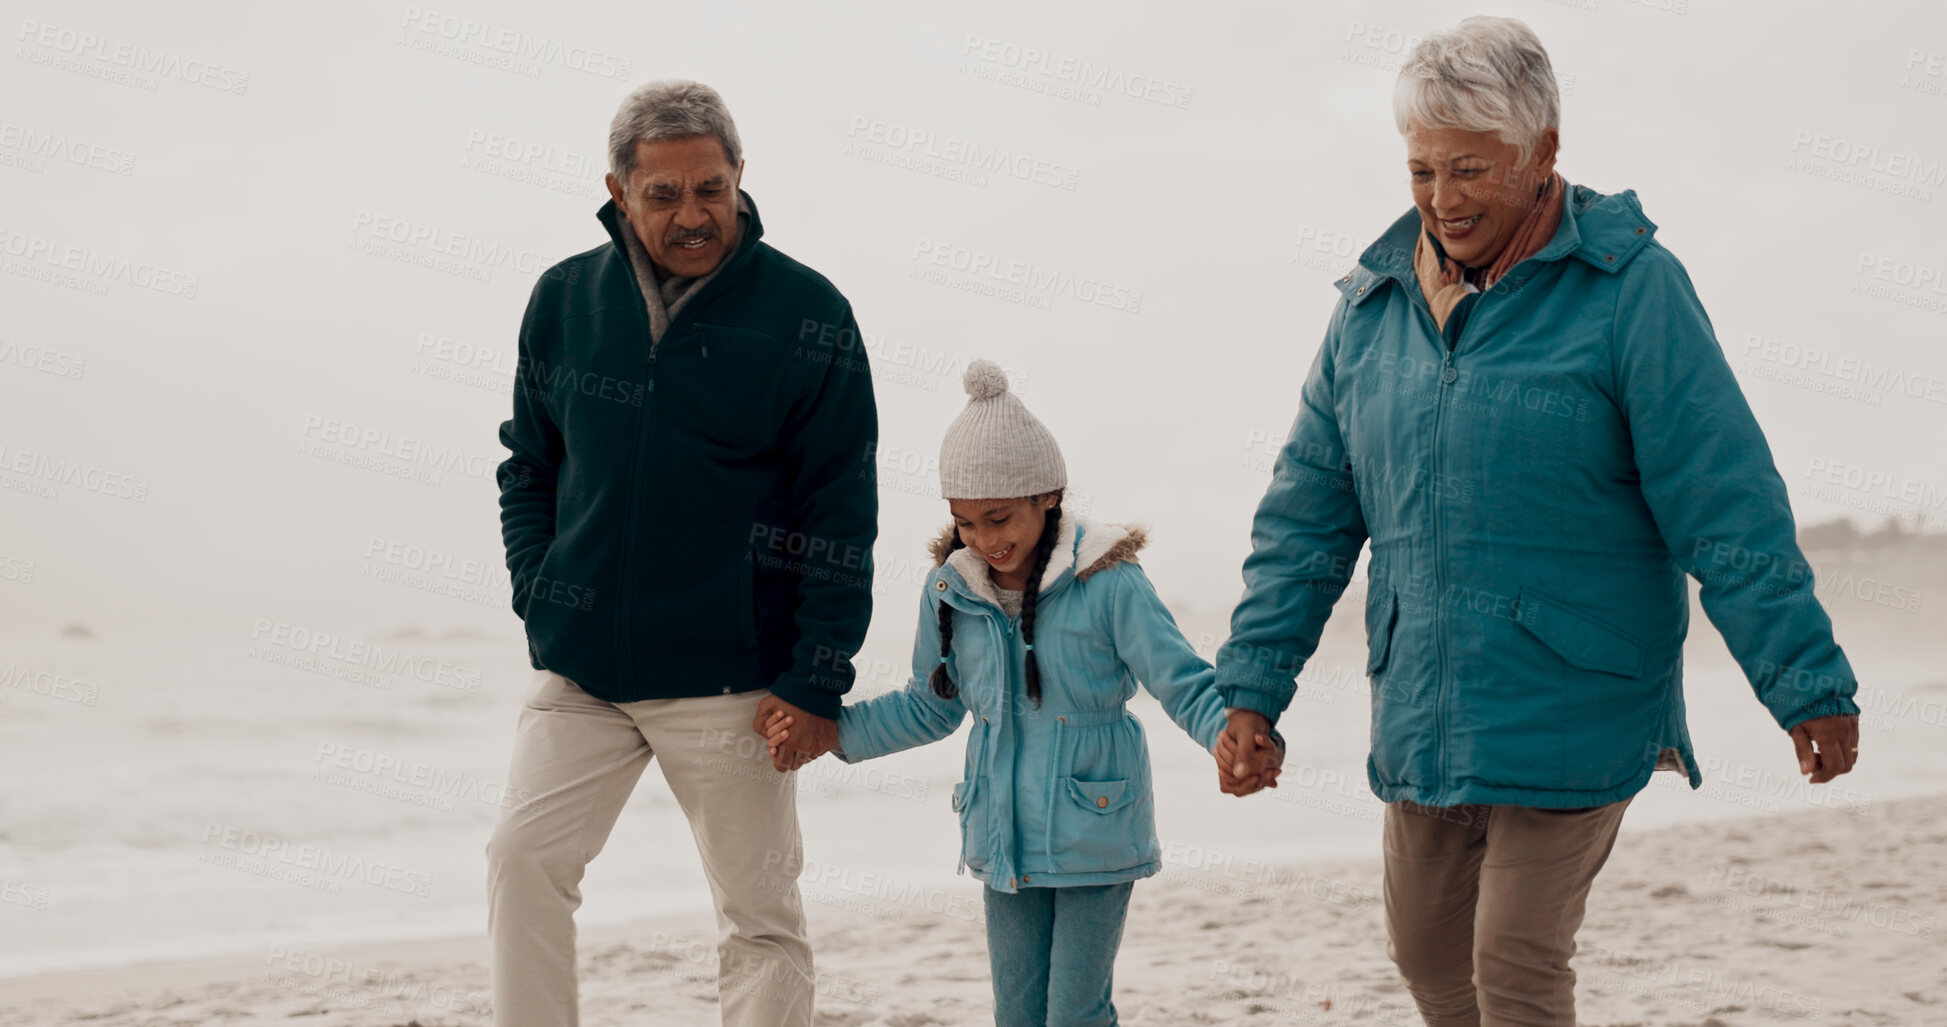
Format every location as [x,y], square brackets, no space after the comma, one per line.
[1443,279]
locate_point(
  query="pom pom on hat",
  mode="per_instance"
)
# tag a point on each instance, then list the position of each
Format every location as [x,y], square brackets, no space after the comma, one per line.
[984,379]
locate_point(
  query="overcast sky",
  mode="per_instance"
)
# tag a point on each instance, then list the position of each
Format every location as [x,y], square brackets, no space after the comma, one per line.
[194,212]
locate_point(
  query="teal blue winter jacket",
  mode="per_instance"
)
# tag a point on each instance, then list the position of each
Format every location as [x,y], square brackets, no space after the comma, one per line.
[1535,483]
[1057,794]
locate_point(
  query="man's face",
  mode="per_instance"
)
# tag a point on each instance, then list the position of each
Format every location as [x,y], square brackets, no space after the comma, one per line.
[681,200]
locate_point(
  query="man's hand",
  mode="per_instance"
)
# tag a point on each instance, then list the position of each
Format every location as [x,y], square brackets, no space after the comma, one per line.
[1827,747]
[1247,758]
[795,737]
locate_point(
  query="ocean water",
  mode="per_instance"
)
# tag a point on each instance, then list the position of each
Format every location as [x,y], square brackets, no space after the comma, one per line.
[177,797]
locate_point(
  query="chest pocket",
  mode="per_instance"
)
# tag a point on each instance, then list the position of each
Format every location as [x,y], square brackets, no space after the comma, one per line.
[725,387]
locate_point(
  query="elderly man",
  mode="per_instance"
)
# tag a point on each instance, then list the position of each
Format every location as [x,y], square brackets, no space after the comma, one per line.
[1520,402]
[689,511]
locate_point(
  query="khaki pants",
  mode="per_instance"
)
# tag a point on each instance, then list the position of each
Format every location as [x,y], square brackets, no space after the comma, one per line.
[576,759]
[1482,906]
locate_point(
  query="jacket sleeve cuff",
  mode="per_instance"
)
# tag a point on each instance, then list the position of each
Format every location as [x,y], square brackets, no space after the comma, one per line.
[521,582]
[853,744]
[1211,730]
[806,696]
[1243,697]
[1835,706]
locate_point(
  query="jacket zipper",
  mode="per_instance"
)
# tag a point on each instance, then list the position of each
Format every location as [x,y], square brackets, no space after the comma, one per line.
[998,621]
[1054,791]
[1439,567]
[1007,723]
[624,641]
[1005,625]
[1448,375]
[1020,696]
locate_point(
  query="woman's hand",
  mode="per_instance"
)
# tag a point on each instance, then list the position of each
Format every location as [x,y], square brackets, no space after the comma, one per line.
[1837,746]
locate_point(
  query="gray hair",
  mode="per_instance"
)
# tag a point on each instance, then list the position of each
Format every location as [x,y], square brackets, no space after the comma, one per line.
[1484,75]
[669,109]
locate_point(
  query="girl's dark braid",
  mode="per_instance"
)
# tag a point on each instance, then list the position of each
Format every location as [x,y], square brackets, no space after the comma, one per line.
[941,681]
[1042,551]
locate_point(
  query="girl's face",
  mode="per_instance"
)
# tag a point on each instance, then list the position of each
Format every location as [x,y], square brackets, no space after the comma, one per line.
[1002,531]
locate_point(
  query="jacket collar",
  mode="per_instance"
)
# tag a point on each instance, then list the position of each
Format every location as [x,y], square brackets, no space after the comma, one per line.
[752,230]
[1604,230]
[1083,548]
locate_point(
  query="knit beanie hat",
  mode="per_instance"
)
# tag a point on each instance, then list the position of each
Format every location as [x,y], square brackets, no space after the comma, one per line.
[995,449]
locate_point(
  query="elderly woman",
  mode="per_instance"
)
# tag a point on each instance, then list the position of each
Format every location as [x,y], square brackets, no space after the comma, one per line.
[1520,402]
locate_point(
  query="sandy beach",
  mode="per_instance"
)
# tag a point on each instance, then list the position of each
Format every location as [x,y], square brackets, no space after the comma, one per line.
[1826,916]
[322,384]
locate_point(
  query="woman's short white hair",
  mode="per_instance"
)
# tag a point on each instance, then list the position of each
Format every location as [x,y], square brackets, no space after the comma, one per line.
[1484,75]
[669,109]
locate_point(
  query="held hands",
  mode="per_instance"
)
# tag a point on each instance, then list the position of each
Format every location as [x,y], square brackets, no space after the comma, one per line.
[793,747]
[1837,746]
[1247,757]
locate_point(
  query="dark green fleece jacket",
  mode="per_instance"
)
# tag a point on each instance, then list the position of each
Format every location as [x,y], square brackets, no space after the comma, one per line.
[695,516]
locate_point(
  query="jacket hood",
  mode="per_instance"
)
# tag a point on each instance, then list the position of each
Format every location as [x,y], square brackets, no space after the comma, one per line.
[1602,229]
[1083,547]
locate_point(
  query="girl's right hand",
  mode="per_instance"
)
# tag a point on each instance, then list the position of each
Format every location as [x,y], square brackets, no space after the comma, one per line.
[776,730]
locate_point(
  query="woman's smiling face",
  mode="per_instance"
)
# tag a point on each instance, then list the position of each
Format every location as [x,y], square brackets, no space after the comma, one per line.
[1003,532]
[1473,189]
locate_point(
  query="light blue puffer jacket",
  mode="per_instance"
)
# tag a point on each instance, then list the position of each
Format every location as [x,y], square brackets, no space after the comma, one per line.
[1059,794]
[1534,496]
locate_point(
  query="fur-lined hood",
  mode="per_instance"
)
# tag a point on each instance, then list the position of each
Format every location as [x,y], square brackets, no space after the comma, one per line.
[1085,546]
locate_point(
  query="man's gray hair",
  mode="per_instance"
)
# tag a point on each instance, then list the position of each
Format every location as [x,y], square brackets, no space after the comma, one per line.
[1484,75]
[669,109]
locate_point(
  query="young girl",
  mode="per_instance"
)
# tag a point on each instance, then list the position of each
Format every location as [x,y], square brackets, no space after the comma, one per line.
[1039,623]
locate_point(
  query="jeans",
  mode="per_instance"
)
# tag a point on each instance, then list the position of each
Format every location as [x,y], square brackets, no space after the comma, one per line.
[1053,954]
